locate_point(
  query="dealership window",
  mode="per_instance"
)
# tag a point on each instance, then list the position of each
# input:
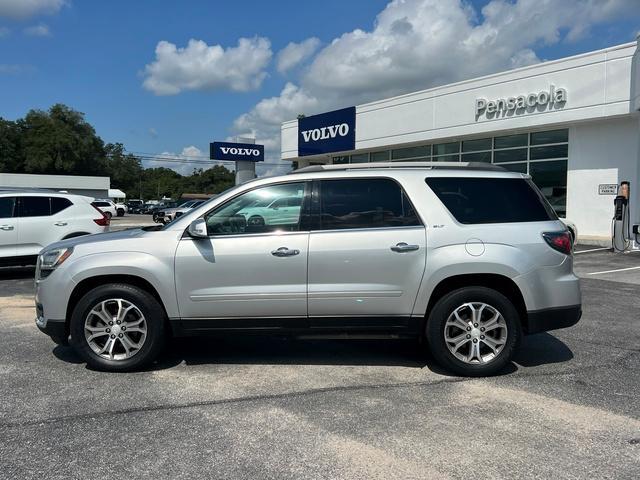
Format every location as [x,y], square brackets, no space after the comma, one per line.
[411,152]
[380,156]
[478,145]
[360,158]
[477,157]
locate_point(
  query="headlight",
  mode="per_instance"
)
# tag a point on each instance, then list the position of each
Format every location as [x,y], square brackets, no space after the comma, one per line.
[51,259]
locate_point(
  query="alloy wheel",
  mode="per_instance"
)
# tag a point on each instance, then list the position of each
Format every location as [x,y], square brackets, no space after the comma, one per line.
[115,329]
[475,333]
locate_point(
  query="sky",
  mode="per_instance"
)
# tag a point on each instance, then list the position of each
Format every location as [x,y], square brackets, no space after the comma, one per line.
[168,77]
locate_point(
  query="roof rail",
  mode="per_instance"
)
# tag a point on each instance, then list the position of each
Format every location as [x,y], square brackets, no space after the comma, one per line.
[430,165]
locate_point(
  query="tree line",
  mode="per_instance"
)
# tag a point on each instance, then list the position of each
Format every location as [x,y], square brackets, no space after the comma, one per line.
[60,141]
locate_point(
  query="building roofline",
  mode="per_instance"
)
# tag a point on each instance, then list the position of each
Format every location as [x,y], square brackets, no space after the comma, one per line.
[491,75]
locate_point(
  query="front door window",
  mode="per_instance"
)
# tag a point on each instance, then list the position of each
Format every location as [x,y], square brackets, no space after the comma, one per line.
[267,209]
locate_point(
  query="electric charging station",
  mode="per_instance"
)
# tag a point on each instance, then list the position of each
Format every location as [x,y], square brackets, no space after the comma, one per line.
[624,237]
[245,153]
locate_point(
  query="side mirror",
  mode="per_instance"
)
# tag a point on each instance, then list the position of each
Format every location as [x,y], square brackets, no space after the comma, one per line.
[198,228]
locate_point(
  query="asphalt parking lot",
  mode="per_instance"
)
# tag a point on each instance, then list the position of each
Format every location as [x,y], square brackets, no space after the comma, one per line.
[568,407]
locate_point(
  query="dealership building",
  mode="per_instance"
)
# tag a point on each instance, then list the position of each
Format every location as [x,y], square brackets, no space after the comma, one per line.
[572,124]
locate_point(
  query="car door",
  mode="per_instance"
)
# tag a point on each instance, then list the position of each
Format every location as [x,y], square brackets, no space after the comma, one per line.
[35,230]
[245,270]
[65,219]
[367,255]
[8,227]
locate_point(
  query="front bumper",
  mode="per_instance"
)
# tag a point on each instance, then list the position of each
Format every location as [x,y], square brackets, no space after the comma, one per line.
[552,318]
[56,329]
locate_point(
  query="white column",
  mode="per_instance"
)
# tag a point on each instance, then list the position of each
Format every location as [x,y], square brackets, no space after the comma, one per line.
[245,170]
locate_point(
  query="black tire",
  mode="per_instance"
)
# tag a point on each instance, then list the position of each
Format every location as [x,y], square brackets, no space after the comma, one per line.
[120,212]
[435,330]
[151,309]
[108,215]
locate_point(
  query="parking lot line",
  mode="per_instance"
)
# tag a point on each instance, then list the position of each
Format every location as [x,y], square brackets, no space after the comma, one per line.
[613,271]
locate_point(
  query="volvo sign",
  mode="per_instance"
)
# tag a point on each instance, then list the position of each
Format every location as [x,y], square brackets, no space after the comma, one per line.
[237,152]
[327,132]
[551,98]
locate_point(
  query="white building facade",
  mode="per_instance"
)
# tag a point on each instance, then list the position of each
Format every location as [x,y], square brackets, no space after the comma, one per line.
[573,124]
[96,187]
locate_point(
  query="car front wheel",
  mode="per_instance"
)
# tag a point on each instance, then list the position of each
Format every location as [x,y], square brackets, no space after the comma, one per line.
[117,327]
[473,331]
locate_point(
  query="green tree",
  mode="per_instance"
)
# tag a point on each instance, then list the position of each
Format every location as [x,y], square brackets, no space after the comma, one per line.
[60,141]
[124,169]
[11,157]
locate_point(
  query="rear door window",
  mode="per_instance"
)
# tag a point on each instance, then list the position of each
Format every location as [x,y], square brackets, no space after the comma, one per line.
[491,200]
[34,207]
[7,205]
[364,203]
[58,204]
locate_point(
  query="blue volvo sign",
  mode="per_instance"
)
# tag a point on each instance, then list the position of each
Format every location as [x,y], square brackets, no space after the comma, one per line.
[327,132]
[238,152]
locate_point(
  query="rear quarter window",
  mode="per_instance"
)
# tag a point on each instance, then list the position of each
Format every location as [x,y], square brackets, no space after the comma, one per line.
[491,200]
[59,203]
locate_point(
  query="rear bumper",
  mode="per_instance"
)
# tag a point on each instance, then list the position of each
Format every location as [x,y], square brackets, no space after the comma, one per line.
[552,318]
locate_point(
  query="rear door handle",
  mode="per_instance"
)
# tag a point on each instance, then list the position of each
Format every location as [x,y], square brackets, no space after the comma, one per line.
[404,247]
[284,252]
[60,224]
[6,227]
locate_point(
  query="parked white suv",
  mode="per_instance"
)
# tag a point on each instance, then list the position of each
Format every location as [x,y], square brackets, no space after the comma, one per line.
[466,257]
[31,220]
[107,206]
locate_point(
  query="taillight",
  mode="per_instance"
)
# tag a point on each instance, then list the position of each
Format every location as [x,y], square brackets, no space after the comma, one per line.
[560,241]
[103,221]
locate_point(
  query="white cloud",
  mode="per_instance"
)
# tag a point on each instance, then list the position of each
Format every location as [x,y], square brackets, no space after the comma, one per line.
[295,53]
[4,32]
[40,30]
[21,9]
[417,44]
[199,66]
[153,132]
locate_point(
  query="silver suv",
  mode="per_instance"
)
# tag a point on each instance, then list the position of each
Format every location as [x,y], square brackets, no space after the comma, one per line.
[468,257]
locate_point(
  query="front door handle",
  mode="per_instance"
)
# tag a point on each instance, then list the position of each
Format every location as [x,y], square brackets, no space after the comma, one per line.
[404,247]
[60,224]
[6,227]
[284,252]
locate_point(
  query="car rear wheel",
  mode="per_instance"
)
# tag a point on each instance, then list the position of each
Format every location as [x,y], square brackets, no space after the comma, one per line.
[108,215]
[120,212]
[117,327]
[473,331]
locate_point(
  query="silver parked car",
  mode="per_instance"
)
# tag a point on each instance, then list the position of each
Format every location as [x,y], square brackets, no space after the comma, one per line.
[468,257]
[166,215]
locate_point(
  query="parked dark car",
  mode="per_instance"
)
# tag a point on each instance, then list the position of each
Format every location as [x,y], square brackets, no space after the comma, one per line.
[135,205]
